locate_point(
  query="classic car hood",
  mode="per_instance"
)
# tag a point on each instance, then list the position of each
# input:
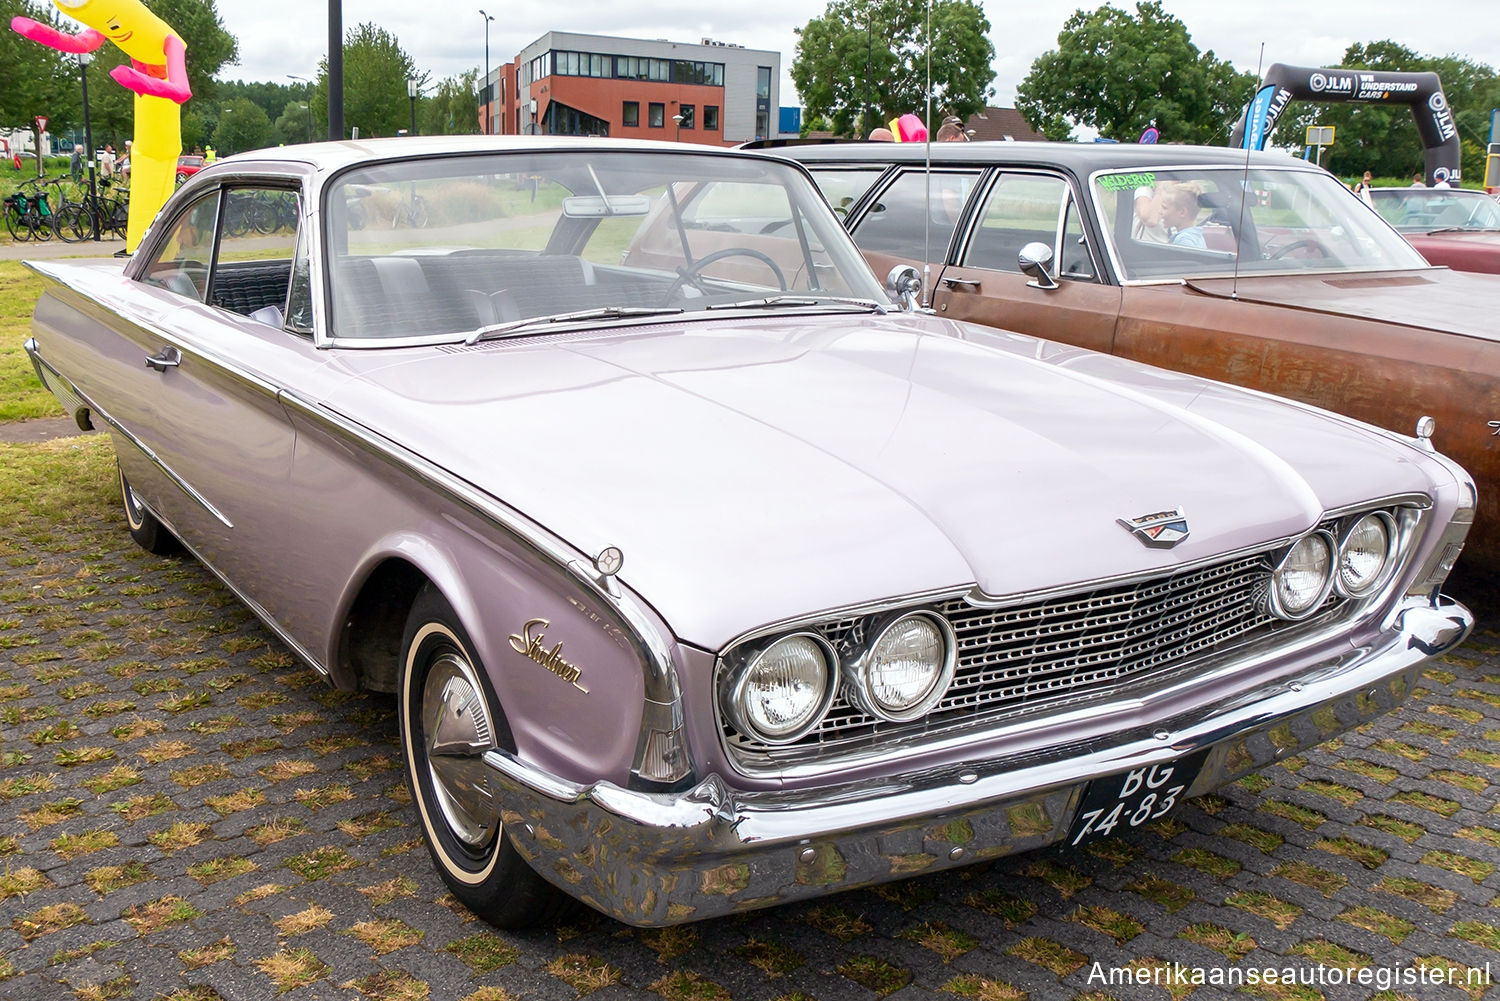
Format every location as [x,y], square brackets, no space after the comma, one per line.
[1437,299]
[756,470]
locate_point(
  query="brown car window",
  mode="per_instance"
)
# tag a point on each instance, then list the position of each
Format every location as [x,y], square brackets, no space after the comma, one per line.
[1022,209]
[843,188]
[906,213]
[182,262]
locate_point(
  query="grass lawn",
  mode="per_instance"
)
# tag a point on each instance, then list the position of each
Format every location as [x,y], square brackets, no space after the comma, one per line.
[60,482]
[21,395]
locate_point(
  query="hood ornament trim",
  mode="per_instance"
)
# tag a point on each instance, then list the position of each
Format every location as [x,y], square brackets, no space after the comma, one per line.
[1159,530]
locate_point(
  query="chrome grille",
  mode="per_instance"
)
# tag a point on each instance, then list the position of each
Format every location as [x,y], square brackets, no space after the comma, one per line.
[1056,652]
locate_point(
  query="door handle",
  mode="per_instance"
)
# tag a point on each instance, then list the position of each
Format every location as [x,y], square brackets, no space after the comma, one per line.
[168,357]
[972,283]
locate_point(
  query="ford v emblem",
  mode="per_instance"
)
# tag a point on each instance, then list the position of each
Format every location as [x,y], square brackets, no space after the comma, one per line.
[1161,530]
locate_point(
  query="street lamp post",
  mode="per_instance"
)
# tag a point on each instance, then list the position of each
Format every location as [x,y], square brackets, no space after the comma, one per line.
[411,92]
[306,105]
[88,139]
[677,120]
[489,118]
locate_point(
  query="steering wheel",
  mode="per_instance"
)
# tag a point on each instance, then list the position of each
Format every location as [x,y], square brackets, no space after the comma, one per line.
[1301,244]
[692,271]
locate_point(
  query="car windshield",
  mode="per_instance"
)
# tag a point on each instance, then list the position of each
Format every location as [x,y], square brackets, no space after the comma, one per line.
[478,245]
[1424,210]
[1182,223]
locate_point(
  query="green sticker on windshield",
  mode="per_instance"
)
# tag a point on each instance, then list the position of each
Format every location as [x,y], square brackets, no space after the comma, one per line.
[1119,182]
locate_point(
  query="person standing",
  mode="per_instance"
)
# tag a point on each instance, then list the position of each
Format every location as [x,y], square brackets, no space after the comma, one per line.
[107,161]
[1362,189]
[75,164]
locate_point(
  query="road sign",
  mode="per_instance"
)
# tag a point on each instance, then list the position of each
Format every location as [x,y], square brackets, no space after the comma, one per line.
[41,123]
[1320,135]
[1492,166]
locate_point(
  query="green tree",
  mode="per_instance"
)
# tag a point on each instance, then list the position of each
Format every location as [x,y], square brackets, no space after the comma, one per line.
[376,69]
[295,124]
[1382,138]
[34,79]
[864,62]
[1120,73]
[452,109]
[242,126]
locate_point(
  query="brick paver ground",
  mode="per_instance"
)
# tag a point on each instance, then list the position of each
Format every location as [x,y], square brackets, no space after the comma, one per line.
[189,813]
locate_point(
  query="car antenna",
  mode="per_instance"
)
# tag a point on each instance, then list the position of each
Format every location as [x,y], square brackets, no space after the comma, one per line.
[1239,229]
[927,197]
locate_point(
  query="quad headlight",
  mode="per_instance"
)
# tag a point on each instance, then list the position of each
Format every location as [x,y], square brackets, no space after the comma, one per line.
[1366,554]
[1304,577]
[784,690]
[907,667]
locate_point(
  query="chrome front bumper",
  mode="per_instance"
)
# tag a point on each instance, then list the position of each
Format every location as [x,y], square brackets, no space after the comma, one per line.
[652,859]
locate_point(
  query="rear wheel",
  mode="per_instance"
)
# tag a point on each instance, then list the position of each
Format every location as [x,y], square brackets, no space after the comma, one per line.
[449,717]
[148,533]
[16,224]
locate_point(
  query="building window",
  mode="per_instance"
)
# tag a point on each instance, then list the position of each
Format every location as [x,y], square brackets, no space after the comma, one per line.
[658,113]
[762,102]
[711,117]
[630,114]
[562,120]
[687,111]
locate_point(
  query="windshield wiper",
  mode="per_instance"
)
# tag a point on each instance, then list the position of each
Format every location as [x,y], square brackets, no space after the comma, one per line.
[772,301]
[601,313]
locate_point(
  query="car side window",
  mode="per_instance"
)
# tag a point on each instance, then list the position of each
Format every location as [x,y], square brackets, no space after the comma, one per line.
[844,187]
[1074,258]
[905,213]
[1022,209]
[253,272]
[182,262]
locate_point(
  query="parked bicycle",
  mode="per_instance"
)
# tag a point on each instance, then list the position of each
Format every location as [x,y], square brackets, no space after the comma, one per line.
[28,213]
[76,220]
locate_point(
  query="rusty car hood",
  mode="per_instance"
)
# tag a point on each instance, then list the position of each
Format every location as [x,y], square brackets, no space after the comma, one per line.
[753,470]
[1455,302]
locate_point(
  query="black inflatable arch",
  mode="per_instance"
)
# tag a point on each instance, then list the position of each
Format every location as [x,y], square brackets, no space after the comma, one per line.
[1422,91]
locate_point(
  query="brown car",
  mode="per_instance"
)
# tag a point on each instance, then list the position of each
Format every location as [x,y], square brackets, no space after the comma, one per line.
[1449,226]
[1152,253]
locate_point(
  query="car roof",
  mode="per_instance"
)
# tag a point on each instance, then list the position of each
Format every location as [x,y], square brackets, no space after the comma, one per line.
[1081,158]
[332,156]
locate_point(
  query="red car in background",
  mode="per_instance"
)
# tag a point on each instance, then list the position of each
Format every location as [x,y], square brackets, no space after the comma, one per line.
[187,166]
[1452,227]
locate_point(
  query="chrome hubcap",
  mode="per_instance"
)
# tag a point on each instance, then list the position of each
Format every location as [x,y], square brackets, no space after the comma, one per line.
[133,512]
[456,732]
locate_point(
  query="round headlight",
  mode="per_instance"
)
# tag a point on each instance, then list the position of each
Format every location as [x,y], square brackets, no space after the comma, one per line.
[785,690]
[1304,577]
[907,669]
[1365,555]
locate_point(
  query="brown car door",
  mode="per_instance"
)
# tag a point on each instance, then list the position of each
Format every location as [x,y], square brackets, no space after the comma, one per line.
[985,284]
[912,219]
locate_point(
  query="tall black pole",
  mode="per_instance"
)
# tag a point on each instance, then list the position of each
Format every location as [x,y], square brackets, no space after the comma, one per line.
[88,143]
[335,70]
[865,118]
[489,115]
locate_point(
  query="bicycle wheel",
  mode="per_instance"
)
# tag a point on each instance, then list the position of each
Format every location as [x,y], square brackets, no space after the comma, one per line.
[73,224]
[41,225]
[263,216]
[119,219]
[15,223]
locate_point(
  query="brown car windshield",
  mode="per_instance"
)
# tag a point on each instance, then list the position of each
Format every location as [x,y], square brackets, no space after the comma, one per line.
[479,244]
[1202,222]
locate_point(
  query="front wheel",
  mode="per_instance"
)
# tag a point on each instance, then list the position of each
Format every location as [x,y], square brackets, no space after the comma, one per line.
[449,717]
[148,533]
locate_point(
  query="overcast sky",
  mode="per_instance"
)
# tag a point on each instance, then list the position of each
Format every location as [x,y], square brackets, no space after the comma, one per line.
[281,37]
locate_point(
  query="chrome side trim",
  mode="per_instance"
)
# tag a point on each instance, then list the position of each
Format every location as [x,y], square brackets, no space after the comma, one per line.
[254,606]
[144,449]
[663,694]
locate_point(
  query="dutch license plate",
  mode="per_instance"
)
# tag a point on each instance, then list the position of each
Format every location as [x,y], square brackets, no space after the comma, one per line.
[1119,803]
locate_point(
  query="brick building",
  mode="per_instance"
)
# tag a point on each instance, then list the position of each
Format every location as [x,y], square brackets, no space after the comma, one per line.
[566,83]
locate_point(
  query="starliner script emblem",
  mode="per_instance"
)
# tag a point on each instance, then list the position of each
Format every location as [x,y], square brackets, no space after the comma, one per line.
[529,642]
[1161,530]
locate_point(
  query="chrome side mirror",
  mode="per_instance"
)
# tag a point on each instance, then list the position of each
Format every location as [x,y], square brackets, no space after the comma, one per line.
[906,285]
[1036,260]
